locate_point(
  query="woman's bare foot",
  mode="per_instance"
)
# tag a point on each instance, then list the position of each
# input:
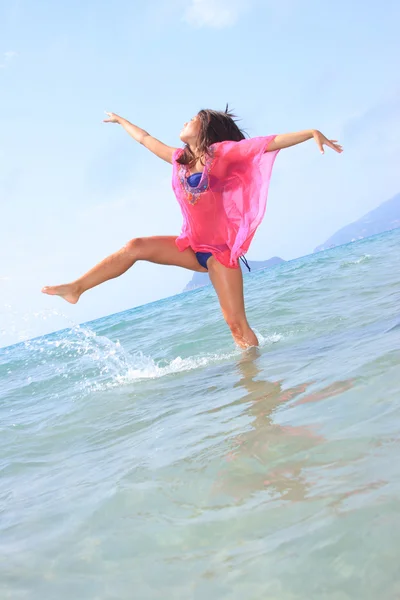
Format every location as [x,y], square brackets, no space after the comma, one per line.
[70,291]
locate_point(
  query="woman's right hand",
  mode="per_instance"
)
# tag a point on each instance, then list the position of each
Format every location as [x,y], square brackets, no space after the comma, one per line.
[112,118]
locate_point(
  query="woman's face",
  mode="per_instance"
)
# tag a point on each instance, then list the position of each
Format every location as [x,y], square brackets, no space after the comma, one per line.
[190,131]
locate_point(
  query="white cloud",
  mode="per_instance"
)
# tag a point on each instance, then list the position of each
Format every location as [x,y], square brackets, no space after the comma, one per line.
[215,13]
[7,57]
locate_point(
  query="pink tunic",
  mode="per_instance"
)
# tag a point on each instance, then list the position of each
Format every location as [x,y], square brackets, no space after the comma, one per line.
[222,213]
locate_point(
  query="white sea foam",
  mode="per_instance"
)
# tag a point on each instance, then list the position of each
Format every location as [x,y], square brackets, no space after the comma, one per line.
[145,367]
[273,338]
[356,261]
[100,363]
[81,349]
[93,362]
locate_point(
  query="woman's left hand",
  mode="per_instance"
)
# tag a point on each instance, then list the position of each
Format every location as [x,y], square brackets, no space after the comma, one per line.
[322,141]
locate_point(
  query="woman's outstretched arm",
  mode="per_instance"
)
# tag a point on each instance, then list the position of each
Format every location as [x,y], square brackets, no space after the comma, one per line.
[286,140]
[143,137]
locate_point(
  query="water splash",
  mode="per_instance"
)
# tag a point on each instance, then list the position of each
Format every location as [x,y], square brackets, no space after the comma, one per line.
[80,359]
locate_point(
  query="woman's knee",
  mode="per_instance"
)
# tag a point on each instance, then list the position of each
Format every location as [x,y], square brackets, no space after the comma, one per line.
[135,247]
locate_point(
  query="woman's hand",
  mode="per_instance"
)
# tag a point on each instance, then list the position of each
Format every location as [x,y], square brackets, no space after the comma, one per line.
[322,141]
[113,118]
[143,137]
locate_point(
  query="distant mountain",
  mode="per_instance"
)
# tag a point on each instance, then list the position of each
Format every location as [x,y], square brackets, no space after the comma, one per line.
[383,218]
[202,279]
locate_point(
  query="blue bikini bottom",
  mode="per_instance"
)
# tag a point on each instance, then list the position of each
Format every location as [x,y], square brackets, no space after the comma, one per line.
[202,258]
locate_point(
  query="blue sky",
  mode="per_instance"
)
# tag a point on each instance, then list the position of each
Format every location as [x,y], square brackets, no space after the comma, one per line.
[73,189]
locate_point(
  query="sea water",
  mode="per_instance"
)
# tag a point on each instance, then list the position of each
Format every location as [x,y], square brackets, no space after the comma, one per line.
[144,456]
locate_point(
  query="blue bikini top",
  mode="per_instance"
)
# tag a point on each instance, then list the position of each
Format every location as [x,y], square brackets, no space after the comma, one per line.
[194,180]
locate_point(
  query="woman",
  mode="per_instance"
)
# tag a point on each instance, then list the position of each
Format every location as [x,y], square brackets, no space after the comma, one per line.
[221,180]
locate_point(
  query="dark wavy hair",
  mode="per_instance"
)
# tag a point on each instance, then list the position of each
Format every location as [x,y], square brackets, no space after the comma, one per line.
[215,126]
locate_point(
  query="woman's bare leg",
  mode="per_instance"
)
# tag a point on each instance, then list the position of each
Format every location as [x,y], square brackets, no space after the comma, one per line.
[159,249]
[228,283]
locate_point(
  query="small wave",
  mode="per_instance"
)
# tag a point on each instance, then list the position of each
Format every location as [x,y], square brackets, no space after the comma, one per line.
[86,361]
[145,367]
[92,362]
[393,327]
[356,261]
[274,338]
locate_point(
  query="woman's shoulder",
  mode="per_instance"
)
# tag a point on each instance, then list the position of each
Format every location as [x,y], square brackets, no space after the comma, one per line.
[241,148]
[177,154]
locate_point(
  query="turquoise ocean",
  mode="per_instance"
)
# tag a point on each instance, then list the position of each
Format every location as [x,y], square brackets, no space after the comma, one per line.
[143,456]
